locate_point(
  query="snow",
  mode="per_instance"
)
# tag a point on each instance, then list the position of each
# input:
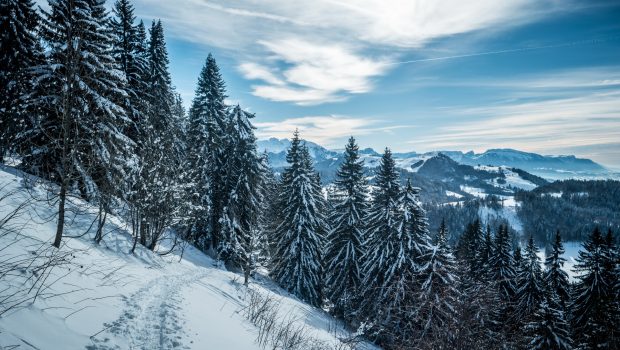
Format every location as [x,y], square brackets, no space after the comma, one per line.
[474,191]
[102,297]
[407,163]
[453,194]
[489,168]
[507,212]
[513,179]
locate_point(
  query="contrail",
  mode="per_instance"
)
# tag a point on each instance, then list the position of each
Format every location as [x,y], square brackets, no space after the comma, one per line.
[531,48]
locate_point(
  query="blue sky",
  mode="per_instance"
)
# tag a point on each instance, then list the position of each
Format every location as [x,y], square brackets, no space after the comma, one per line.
[540,76]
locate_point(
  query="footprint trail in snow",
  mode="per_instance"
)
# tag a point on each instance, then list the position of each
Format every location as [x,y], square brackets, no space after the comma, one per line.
[150,319]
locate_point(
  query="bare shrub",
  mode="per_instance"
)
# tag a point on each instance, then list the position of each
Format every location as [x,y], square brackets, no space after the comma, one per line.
[27,274]
[287,333]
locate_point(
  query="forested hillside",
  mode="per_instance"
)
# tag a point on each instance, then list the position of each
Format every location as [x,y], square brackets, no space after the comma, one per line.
[574,207]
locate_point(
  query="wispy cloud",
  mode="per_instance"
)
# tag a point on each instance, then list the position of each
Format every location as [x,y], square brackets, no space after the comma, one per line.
[325,130]
[314,72]
[553,80]
[322,50]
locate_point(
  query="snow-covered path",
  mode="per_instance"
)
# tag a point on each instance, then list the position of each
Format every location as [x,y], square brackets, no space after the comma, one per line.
[150,318]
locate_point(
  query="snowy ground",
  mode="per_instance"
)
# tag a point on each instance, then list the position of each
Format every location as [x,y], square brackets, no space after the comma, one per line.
[512,178]
[101,297]
[508,212]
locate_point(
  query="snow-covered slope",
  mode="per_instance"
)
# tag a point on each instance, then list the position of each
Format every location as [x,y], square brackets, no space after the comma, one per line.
[102,297]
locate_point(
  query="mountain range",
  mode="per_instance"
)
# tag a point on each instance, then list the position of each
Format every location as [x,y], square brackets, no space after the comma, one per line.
[545,166]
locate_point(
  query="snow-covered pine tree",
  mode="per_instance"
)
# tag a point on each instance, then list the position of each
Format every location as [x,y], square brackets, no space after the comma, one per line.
[269,215]
[502,279]
[240,215]
[209,104]
[517,257]
[415,224]
[201,129]
[611,265]
[20,51]
[485,253]
[124,32]
[345,246]
[139,98]
[594,305]
[131,54]
[161,179]
[476,324]
[78,137]
[549,329]
[530,288]
[475,310]
[113,148]
[502,265]
[469,246]
[436,306]
[555,278]
[390,263]
[297,260]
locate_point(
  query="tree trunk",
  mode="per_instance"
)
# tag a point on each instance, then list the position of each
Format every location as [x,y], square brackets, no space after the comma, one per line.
[143,233]
[246,275]
[61,213]
[102,218]
[136,230]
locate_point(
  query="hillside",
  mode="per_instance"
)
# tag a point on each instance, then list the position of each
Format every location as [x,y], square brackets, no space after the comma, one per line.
[87,296]
[574,207]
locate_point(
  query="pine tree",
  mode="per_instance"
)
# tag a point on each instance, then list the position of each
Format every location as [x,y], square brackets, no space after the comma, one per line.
[200,158]
[593,306]
[240,216]
[549,329]
[131,54]
[124,33]
[209,105]
[139,129]
[78,137]
[270,217]
[435,310]
[502,265]
[346,239]
[476,311]
[485,252]
[502,276]
[529,283]
[555,277]
[517,257]
[20,51]
[415,224]
[390,263]
[300,235]
[162,182]
[469,248]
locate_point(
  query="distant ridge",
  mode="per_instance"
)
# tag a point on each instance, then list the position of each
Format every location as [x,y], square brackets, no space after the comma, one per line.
[546,166]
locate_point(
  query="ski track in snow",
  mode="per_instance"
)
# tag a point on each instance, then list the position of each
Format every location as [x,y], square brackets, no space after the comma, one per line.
[151,319]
